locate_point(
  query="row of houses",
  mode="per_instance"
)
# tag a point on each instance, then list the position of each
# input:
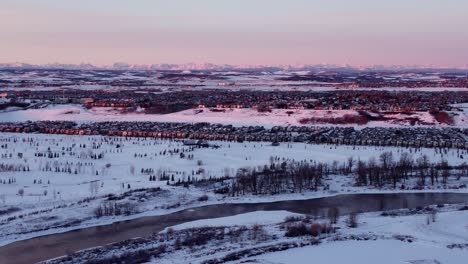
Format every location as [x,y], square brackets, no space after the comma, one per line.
[376,136]
[373,100]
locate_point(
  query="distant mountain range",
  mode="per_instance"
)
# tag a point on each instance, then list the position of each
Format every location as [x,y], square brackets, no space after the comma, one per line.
[221,67]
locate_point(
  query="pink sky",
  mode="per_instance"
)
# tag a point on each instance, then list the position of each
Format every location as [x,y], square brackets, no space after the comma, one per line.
[357,32]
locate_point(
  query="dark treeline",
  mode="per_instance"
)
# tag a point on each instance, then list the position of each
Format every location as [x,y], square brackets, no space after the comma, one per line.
[299,176]
[388,170]
[287,176]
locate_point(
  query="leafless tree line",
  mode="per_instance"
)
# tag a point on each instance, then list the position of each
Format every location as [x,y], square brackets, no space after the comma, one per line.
[279,177]
[388,170]
[300,176]
[111,208]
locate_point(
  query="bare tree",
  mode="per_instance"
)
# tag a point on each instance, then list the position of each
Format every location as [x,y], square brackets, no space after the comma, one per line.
[423,166]
[350,165]
[352,220]
[333,215]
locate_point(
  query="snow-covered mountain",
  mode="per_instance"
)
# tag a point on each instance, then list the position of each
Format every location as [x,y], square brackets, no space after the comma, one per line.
[220,67]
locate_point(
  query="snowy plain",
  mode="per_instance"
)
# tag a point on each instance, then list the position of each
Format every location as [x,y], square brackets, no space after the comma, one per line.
[429,245]
[52,198]
[381,239]
[124,158]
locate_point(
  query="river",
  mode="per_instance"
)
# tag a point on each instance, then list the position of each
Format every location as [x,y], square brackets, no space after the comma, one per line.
[55,245]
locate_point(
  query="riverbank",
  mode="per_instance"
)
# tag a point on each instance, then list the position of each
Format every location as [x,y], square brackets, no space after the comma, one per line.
[56,245]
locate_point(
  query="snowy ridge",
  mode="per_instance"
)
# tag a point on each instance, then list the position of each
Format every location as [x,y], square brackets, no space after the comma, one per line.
[223,67]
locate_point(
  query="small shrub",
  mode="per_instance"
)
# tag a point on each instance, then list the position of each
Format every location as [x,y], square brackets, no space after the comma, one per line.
[199,237]
[315,230]
[222,190]
[297,230]
[203,198]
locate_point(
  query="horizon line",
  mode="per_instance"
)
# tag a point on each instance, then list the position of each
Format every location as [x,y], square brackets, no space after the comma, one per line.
[209,65]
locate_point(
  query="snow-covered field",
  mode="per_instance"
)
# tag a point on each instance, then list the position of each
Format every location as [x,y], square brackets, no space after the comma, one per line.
[229,116]
[124,158]
[54,183]
[369,252]
[258,217]
[428,243]
[45,178]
